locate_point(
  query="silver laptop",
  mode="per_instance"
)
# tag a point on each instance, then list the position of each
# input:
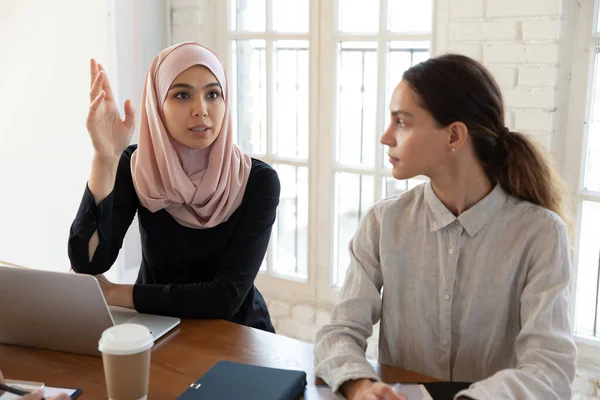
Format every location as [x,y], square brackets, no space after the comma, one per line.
[62,311]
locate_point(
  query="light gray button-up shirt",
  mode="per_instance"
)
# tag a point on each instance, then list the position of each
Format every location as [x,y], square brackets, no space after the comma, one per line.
[482,297]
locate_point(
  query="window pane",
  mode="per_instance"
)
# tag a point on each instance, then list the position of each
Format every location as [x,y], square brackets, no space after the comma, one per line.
[587,317]
[417,19]
[248,15]
[358,16]
[592,164]
[250,100]
[353,197]
[291,98]
[592,170]
[290,16]
[357,101]
[291,228]
[263,266]
[393,187]
[400,57]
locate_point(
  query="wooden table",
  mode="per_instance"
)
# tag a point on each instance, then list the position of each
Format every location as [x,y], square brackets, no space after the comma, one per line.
[178,359]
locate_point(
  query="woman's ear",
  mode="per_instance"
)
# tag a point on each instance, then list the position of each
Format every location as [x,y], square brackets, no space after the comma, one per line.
[457,135]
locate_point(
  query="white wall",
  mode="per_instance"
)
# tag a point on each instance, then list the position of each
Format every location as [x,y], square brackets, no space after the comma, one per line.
[140,33]
[45,151]
[44,148]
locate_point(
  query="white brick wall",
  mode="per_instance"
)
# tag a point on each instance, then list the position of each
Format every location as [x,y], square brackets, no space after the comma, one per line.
[537,76]
[466,9]
[505,76]
[540,30]
[489,30]
[518,40]
[522,8]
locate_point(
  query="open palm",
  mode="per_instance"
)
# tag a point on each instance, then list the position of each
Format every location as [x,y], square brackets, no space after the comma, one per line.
[109,133]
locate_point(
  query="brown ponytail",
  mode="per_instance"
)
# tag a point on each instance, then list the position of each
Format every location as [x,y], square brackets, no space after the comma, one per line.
[457,88]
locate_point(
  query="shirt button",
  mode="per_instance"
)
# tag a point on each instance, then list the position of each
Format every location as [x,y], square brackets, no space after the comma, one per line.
[450,251]
[445,342]
[446,296]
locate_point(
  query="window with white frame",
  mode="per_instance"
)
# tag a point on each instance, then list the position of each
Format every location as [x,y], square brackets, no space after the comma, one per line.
[311,82]
[582,164]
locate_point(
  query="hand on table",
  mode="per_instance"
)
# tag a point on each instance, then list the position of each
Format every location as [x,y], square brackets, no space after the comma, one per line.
[38,394]
[365,389]
[116,294]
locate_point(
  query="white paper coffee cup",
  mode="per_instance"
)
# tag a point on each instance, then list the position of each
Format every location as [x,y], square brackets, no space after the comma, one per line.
[126,352]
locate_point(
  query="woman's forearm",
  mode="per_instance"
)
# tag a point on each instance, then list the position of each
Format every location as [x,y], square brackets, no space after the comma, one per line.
[101,184]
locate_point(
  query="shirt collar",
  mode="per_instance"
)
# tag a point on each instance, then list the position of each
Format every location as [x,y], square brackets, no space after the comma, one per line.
[472,220]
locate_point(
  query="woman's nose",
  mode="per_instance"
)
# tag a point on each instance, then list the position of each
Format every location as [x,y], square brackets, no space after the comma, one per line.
[388,138]
[200,109]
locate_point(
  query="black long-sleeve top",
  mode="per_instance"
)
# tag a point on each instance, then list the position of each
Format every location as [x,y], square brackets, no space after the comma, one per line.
[185,272]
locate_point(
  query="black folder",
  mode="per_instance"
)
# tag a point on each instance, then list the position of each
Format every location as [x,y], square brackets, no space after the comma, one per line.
[445,390]
[233,381]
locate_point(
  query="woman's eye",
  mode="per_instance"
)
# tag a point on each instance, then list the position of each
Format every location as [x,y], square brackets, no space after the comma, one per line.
[214,95]
[401,124]
[182,95]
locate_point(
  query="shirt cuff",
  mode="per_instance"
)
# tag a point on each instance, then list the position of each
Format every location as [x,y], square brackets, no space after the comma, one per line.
[147,299]
[349,373]
[94,214]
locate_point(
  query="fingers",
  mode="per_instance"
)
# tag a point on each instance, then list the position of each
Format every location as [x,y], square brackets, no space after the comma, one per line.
[106,85]
[93,71]
[386,392]
[129,114]
[97,86]
[102,279]
[370,396]
[62,396]
[96,103]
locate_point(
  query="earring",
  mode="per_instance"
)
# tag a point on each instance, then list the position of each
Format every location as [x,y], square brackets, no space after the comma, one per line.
[453,150]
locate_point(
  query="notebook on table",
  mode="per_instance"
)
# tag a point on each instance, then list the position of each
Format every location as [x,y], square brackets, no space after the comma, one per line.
[233,381]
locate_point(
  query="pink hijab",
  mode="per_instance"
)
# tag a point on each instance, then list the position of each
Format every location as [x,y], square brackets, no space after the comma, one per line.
[199,188]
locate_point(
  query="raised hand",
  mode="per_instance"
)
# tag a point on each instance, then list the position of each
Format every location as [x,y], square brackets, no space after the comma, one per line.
[109,133]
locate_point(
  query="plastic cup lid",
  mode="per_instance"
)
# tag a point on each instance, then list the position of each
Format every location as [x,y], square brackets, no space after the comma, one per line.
[125,339]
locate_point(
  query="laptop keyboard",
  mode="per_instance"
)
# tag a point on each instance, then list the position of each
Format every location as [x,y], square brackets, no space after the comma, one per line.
[120,317]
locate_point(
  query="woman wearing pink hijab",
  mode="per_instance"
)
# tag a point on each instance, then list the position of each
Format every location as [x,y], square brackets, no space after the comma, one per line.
[205,209]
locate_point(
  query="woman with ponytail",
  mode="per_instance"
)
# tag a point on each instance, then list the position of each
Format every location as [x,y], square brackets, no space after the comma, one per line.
[475,262]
